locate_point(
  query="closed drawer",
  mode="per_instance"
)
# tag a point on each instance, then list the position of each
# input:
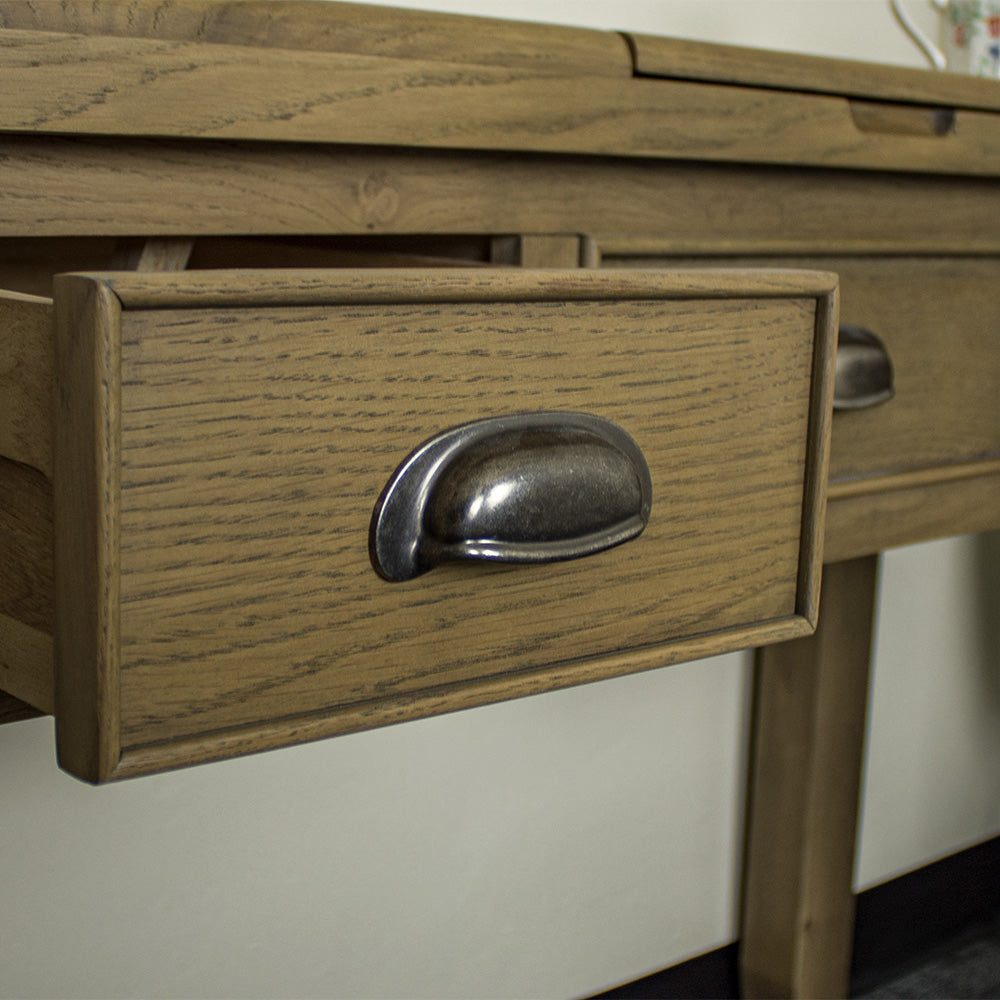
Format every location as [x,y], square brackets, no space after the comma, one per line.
[926,462]
[938,318]
[223,439]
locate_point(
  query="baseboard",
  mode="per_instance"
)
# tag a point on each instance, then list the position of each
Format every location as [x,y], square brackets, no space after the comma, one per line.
[902,919]
[896,923]
[712,976]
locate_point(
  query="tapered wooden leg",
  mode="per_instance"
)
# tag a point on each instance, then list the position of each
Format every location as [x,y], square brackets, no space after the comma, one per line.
[810,699]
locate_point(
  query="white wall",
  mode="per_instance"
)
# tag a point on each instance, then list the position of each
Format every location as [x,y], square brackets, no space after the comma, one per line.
[541,848]
[932,773]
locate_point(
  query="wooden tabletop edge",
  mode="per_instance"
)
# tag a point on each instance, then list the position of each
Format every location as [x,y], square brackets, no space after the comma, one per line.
[220,288]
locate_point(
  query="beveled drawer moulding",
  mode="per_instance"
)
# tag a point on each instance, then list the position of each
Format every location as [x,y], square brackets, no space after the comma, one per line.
[222,439]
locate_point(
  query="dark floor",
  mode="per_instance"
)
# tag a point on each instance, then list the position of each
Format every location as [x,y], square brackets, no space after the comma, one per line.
[931,934]
[967,966]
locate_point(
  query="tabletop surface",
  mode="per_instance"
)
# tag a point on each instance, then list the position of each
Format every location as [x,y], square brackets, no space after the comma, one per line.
[354,74]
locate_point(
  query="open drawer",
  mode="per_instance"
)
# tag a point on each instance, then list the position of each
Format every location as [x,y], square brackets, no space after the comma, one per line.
[223,441]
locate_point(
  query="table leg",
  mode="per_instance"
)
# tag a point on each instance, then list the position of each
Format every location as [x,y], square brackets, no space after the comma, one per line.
[809,705]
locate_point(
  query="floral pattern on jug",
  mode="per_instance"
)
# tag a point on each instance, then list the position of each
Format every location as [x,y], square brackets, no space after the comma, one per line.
[970,36]
[972,22]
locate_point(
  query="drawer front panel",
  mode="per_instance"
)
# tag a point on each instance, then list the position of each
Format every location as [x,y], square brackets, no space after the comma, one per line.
[939,318]
[940,321]
[255,440]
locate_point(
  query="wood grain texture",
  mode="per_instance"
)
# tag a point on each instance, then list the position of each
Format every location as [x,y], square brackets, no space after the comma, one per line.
[543,250]
[103,85]
[252,452]
[549,251]
[26,585]
[27,664]
[240,288]
[26,379]
[278,732]
[943,415]
[903,510]
[86,517]
[239,563]
[26,544]
[814,497]
[361,29]
[26,589]
[92,187]
[810,697]
[681,59]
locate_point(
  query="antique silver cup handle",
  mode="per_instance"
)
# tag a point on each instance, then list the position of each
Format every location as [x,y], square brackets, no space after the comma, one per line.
[864,374]
[524,488]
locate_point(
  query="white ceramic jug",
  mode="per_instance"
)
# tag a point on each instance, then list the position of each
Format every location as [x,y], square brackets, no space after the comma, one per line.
[970,35]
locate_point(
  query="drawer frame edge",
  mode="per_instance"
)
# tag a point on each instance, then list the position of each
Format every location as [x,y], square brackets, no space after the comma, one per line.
[143,759]
[86,446]
[817,472]
[87,484]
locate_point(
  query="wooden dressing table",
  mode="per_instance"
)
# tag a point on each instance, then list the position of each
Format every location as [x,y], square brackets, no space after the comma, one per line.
[372,225]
